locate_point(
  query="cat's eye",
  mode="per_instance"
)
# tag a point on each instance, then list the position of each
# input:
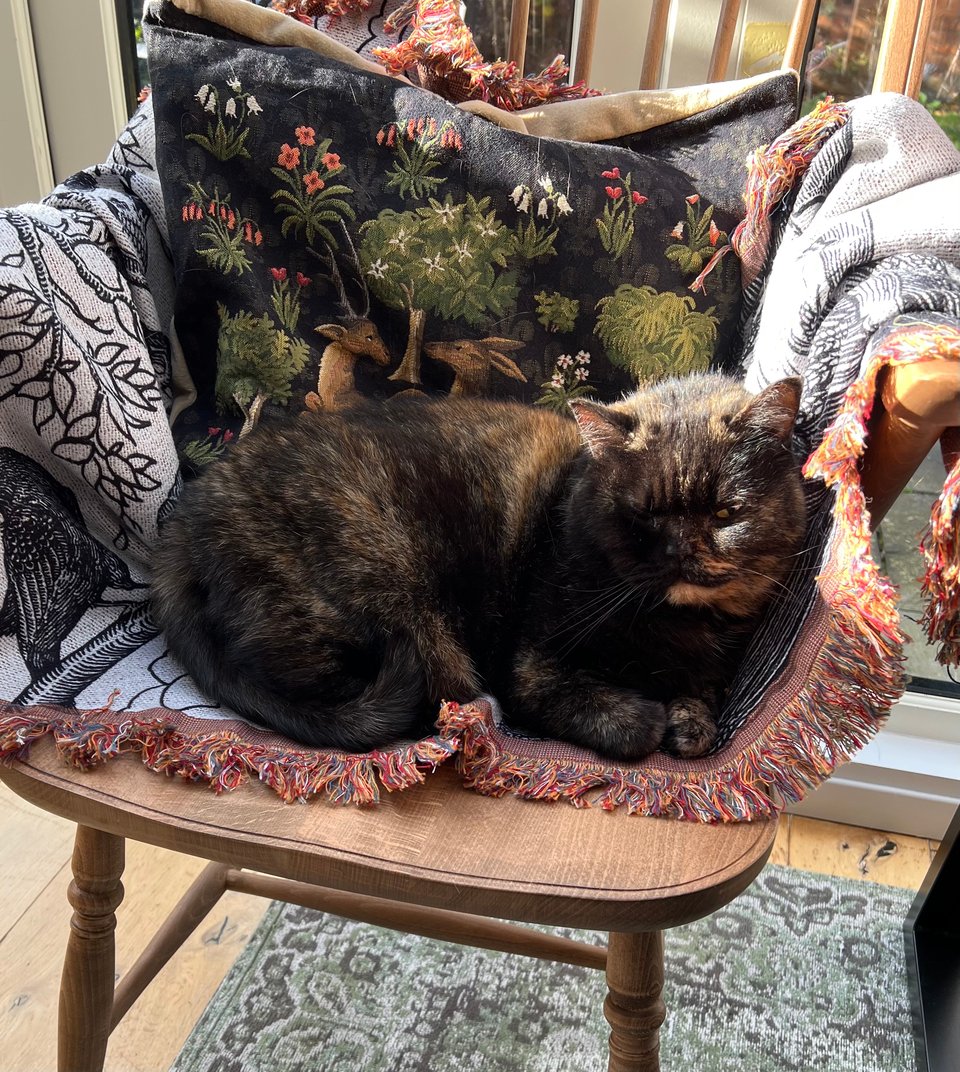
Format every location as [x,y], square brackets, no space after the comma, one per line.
[728,510]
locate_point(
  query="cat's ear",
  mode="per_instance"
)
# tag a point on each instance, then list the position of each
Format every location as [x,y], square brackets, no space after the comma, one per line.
[601,428]
[774,409]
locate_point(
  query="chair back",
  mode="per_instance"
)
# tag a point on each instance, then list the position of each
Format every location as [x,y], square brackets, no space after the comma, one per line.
[899,63]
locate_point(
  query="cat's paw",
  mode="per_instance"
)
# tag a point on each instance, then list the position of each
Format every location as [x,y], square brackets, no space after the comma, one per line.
[691,728]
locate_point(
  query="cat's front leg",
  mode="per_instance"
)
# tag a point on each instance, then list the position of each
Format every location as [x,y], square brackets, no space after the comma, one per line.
[550,699]
[691,726]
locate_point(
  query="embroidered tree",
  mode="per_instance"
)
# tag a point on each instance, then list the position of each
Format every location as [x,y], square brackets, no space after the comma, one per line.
[256,364]
[653,334]
[447,259]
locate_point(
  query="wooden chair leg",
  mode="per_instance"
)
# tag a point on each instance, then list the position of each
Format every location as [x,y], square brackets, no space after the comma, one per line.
[86,986]
[633,1007]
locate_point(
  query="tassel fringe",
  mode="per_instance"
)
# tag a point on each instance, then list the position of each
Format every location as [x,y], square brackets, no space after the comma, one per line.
[772,172]
[224,761]
[440,48]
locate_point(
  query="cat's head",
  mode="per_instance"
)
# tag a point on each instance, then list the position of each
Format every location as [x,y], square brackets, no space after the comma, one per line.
[689,489]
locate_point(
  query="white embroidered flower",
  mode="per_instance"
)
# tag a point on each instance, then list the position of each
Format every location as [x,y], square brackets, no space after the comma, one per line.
[581,374]
[231,108]
[378,269]
[252,106]
[398,239]
[542,208]
[524,204]
[677,232]
[563,206]
[557,380]
[435,264]
[446,212]
[564,361]
[583,358]
[462,249]
[204,93]
[517,194]
[547,183]
[234,84]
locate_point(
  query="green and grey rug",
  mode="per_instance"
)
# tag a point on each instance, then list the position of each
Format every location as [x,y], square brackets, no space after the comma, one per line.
[802,973]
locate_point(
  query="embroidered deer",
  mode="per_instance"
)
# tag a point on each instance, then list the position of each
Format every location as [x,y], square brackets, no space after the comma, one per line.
[351,340]
[472,361]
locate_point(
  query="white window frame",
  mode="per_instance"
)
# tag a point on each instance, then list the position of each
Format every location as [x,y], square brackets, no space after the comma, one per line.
[54,123]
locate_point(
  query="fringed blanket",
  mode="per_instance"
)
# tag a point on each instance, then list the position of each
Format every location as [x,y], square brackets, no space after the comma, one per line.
[865,273]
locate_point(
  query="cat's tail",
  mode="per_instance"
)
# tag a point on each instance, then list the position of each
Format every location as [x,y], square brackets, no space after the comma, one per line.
[389,708]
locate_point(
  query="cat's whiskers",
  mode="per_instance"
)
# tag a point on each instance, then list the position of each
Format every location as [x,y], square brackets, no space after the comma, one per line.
[592,605]
[596,621]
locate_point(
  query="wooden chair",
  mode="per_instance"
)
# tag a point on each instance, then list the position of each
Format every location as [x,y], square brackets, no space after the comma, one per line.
[439,860]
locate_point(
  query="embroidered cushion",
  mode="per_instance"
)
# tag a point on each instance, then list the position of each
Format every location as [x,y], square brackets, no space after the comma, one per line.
[337,233]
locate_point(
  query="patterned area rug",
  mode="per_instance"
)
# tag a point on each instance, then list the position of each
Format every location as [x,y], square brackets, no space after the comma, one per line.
[801,973]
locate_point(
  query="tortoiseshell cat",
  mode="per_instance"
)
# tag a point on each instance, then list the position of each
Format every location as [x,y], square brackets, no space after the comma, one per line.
[335,577]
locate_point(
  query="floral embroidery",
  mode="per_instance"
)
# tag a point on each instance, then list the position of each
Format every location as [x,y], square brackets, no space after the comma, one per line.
[227,236]
[697,237]
[567,382]
[535,239]
[285,297]
[411,174]
[226,137]
[309,203]
[617,226]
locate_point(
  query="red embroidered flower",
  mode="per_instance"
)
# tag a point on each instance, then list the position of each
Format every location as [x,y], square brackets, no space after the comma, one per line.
[227,436]
[280,274]
[313,182]
[381,134]
[258,237]
[613,174]
[714,233]
[693,199]
[213,431]
[303,280]
[614,192]
[306,135]
[330,160]
[638,199]
[289,157]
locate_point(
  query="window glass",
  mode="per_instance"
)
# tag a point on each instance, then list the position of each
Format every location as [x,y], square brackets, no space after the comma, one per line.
[549,29]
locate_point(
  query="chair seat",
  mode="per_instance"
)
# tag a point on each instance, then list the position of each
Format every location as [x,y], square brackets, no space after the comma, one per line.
[438,844]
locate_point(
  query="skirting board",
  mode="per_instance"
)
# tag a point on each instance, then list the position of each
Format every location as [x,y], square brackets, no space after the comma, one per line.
[906,781]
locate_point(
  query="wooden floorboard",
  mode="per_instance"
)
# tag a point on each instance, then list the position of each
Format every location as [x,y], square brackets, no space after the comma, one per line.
[33,906]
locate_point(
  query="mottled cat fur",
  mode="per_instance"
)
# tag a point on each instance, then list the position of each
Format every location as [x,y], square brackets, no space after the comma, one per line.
[337,576]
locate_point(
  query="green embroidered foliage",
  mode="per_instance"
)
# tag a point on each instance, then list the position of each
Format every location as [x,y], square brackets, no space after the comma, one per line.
[655,334]
[449,259]
[556,312]
[254,359]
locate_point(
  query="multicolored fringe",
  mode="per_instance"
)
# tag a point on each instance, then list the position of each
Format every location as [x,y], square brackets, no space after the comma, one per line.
[941,553]
[843,446]
[222,760]
[855,678]
[309,10]
[441,50]
[772,172]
